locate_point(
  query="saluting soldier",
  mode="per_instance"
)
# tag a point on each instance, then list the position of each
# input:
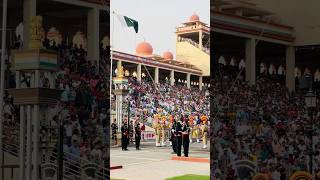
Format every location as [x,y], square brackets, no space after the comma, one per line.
[124,136]
[204,131]
[173,135]
[178,133]
[114,129]
[137,135]
[185,137]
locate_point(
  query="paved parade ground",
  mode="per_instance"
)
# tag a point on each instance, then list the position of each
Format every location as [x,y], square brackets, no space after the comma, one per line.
[151,162]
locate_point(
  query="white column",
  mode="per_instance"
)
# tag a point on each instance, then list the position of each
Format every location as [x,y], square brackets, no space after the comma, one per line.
[22,145]
[50,80]
[156,75]
[32,79]
[139,72]
[29,142]
[200,39]
[172,78]
[251,61]
[119,111]
[18,79]
[35,139]
[290,66]
[200,82]
[188,80]
[37,78]
[29,10]
[93,34]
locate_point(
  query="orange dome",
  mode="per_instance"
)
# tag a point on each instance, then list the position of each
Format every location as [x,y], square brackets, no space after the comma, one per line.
[144,49]
[194,17]
[167,55]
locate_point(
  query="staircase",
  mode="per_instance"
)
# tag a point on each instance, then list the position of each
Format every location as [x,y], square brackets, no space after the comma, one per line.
[195,44]
[189,51]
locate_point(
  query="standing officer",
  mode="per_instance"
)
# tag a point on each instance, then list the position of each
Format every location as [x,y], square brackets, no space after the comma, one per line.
[124,136]
[157,129]
[137,135]
[163,130]
[191,124]
[173,134]
[178,132]
[185,137]
[114,129]
[204,131]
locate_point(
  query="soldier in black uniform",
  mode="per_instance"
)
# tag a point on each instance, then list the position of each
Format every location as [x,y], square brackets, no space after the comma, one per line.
[137,135]
[124,136]
[114,129]
[185,137]
[173,136]
[178,137]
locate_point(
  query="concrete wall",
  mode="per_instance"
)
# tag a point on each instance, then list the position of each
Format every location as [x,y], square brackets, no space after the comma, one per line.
[302,15]
[188,53]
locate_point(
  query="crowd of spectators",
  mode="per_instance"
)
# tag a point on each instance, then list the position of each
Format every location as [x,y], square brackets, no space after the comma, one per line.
[265,125]
[147,99]
[84,101]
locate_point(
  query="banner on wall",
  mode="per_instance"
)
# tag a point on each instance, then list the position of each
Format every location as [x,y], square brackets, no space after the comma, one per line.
[148,135]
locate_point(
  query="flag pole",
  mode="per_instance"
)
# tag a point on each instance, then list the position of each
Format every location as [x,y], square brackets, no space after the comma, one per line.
[111,63]
[3,51]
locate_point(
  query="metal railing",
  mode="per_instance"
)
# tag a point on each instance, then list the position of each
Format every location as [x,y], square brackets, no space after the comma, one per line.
[75,168]
[195,44]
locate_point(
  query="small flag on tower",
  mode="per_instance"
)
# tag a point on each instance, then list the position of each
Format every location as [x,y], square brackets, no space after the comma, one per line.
[126,21]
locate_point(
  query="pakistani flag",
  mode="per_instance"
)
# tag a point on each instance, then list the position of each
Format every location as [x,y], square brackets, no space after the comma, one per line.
[126,21]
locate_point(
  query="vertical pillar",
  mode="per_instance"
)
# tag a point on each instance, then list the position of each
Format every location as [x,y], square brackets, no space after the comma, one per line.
[32,79]
[22,145]
[35,140]
[290,66]
[200,39]
[29,10]
[29,142]
[18,79]
[119,111]
[37,78]
[119,64]
[93,34]
[200,82]
[188,80]
[251,61]
[156,75]
[139,72]
[172,78]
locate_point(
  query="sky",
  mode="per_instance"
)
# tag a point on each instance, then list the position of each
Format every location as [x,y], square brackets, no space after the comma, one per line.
[157,22]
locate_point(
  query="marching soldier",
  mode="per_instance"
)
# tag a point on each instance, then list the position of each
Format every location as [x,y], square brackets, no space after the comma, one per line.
[157,129]
[163,131]
[204,131]
[178,133]
[173,135]
[124,136]
[191,123]
[137,135]
[185,137]
[197,129]
[114,129]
